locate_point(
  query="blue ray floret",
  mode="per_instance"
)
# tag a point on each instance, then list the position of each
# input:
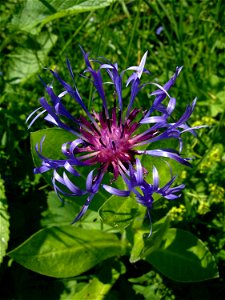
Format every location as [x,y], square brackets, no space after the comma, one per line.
[112,139]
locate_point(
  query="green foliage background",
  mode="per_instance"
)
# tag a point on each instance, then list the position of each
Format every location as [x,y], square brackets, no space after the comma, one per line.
[37,35]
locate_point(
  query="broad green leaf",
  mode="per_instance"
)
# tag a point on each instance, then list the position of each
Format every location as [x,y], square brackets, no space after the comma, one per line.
[26,61]
[182,257]
[92,220]
[63,213]
[4,221]
[119,212]
[66,251]
[36,12]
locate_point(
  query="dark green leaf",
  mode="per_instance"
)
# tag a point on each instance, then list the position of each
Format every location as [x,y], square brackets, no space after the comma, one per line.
[182,257]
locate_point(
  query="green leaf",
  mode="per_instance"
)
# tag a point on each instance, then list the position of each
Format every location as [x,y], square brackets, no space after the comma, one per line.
[148,292]
[182,257]
[4,221]
[54,139]
[138,246]
[119,212]
[151,286]
[59,213]
[26,61]
[36,12]
[144,244]
[66,251]
[99,285]
[62,213]
[159,230]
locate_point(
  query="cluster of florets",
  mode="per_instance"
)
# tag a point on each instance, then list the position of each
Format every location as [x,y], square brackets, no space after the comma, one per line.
[112,139]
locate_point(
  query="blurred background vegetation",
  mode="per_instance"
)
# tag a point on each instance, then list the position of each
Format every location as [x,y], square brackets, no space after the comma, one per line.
[37,35]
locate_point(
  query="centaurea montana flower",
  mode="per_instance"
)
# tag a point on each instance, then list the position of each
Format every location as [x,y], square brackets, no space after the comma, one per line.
[111,140]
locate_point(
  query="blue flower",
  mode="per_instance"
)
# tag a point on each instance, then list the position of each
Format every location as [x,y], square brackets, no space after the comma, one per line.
[112,139]
[159,30]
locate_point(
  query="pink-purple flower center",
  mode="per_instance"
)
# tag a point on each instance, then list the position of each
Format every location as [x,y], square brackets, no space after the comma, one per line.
[110,142]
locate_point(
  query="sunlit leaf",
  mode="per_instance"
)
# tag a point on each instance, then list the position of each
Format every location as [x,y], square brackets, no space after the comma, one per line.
[66,251]
[59,213]
[119,212]
[144,243]
[36,12]
[159,230]
[101,283]
[149,285]
[138,246]
[26,61]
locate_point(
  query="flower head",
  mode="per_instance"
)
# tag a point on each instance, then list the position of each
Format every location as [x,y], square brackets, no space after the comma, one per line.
[112,139]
